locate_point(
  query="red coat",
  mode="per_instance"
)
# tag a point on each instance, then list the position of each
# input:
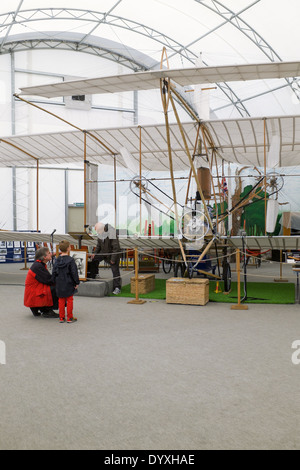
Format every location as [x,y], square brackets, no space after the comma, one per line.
[37,286]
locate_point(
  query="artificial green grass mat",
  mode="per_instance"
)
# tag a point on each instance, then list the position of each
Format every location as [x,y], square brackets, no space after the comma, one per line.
[257,292]
[158,293]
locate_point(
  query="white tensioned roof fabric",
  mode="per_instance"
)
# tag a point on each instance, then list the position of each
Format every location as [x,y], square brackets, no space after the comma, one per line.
[237,140]
[150,80]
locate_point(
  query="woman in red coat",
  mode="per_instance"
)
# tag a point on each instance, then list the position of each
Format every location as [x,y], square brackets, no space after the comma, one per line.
[39,296]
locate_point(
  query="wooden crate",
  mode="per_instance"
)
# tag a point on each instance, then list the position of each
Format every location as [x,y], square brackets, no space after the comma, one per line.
[180,290]
[146,283]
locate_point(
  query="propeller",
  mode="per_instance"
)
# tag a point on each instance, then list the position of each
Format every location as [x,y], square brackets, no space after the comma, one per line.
[194,225]
[274,152]
[129,161]
[138,182]
[201,98]
[274,181]
[150,199]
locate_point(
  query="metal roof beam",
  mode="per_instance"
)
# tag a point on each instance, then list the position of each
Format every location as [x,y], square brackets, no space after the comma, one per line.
[244,27]
[11,25]
[117,21]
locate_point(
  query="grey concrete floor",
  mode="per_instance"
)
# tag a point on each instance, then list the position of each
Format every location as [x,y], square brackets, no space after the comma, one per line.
[152,376]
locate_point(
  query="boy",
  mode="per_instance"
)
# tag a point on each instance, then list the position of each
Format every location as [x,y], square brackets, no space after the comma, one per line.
[65,275]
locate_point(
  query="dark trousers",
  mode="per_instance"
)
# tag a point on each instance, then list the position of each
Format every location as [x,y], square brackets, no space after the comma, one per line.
[93,267]
[36,310]
[116,275]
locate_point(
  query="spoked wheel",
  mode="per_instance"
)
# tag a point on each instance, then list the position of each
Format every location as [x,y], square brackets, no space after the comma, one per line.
[226,276]
[167,265]
[138,182]
[274,182]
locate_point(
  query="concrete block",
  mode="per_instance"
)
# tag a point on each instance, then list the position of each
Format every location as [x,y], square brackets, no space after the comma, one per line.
[94,288]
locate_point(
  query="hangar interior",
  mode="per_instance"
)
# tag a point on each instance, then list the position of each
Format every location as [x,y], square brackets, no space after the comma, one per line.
[178,125]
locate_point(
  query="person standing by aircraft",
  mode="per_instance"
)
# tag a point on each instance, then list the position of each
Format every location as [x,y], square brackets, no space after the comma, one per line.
[107,249]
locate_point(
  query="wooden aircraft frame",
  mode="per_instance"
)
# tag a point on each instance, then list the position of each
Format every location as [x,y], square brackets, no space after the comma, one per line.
[167,83]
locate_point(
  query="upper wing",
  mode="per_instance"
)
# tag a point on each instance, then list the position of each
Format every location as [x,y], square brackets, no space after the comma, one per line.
[151,79]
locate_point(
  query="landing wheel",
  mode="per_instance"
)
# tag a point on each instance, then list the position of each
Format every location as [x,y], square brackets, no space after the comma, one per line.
[167,265]
[226,276]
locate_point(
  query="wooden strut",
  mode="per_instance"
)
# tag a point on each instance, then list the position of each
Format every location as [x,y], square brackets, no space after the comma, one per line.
[85,132]
[165,97]
[140,169]
[37,194]
[191,162]
[265,175]
[207,248]
[185,105]
[141,189]
[164,85]
[84,183]
[164,56]
[204,137]
[37,177]
[280,279]
[167,88]
[127,261]
[190,174]
[239,306]
[137,300]
[25,258]
[115,189]
[198,185]
[215,276]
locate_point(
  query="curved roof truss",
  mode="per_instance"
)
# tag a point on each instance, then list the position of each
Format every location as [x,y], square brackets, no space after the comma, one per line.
[101,47]
[84,43]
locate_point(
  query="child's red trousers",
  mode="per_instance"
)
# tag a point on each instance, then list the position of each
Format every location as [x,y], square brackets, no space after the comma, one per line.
[62,302]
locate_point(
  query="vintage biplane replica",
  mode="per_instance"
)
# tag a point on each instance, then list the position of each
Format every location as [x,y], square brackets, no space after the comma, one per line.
[205,220]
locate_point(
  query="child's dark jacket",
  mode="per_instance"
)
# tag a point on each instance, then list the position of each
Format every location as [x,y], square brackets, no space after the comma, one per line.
[65,276]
